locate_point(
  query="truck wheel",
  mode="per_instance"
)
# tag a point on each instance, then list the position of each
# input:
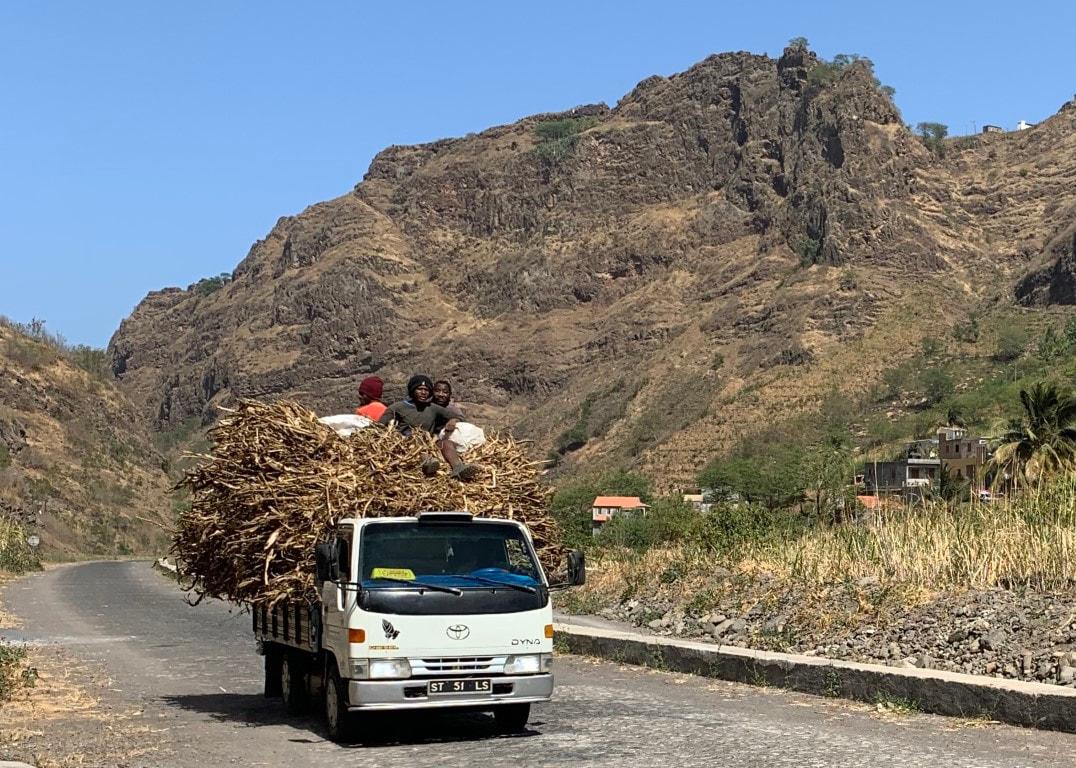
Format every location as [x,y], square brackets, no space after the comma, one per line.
[339,722]
[272,673]
[512,718]
[293,684]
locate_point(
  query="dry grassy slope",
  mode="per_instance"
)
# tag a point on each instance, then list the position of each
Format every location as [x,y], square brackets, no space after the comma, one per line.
[654,273]
[74,463]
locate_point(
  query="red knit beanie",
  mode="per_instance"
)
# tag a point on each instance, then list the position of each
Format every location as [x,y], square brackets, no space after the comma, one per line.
[372,387]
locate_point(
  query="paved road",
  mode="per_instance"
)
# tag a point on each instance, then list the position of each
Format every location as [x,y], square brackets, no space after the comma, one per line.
[194,674]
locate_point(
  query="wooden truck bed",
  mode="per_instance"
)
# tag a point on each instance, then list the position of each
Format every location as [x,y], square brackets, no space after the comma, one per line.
[295,625]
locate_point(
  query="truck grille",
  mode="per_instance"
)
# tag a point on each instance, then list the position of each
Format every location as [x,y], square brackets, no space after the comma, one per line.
[458,665]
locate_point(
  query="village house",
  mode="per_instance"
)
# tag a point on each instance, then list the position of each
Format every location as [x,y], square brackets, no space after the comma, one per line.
[700,502]
[964,457]
[605,508]
[993,129]
[917,471]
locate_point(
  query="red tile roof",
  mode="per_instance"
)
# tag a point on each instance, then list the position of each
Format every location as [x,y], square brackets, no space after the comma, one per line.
[623,502]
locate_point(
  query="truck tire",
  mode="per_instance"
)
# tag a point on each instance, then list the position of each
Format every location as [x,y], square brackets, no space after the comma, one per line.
[272,672]
[512,718]
[293,684]
[340,724]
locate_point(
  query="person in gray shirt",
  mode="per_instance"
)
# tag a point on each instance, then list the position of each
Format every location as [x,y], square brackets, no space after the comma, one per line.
[419,411]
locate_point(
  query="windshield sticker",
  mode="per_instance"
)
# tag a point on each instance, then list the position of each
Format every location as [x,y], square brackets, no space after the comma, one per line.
[393,573]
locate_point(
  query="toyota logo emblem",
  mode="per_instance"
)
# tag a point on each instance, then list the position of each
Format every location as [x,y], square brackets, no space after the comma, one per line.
[458,631]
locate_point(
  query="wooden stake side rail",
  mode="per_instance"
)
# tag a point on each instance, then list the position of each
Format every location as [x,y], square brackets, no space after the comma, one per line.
[293,625]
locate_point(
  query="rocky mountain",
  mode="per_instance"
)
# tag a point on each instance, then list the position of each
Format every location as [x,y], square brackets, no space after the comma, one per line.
[637,284]
[76,466]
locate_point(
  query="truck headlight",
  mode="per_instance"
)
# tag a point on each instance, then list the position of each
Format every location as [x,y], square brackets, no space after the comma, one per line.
[529,664]
[389,669]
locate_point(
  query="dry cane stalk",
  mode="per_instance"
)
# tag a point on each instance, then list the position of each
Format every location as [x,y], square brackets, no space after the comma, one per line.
[277,480]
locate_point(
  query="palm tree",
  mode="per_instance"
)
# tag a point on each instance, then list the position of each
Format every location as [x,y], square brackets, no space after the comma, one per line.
[1043,442]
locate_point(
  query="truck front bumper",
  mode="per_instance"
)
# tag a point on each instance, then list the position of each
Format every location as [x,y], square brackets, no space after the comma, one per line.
[411,694]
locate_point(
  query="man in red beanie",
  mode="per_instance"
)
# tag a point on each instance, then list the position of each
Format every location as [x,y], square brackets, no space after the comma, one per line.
[370,404]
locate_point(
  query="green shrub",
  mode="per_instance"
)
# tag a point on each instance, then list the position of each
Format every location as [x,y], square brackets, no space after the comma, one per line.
[16,556]
[895,381]
[554,152]
[967,332]
[1011,344]
[933,136]
[822,74]
[5,456]
[669,520]
[208,285]
[94,361]
[1070,332]
[1052,346]
[825,73]
[559,138]
[937,385]
[572,439]
[31,353]
[14,673]
[809,250]
[552,130]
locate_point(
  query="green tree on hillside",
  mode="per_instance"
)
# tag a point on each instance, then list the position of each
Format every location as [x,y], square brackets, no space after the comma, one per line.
[1043,442]
[933,135]
[937,385]
[828,471]
[1012,341]
[771,474]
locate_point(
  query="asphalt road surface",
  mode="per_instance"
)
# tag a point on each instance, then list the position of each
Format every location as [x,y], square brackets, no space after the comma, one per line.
[195,677]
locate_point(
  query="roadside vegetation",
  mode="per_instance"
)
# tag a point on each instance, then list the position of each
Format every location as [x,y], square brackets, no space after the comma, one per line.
[16,555]
[784,518]
[14,673]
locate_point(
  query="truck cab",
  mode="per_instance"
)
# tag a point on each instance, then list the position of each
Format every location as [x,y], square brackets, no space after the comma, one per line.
[440,610]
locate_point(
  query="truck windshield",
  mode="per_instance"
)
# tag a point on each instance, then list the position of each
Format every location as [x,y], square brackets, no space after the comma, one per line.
[463,555]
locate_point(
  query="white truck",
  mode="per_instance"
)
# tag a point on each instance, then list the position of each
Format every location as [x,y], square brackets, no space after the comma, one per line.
[432,611]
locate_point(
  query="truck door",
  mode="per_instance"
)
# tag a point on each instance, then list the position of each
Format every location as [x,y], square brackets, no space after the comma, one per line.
[336,601]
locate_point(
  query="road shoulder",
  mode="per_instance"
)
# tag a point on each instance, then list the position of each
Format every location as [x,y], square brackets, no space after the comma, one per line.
[65,713]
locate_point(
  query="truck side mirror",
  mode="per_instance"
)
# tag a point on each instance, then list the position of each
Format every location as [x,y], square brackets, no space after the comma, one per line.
[327,560]
[577,568]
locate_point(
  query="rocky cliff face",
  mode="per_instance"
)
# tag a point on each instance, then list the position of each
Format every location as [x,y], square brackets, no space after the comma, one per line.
[624,270]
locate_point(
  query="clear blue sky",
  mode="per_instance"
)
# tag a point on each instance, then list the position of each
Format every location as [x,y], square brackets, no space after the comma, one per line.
[148,144]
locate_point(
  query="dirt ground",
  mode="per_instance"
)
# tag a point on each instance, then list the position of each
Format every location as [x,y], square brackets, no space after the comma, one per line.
[63,715]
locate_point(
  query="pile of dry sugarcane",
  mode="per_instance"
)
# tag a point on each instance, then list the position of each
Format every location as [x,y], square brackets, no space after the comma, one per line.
[277,479]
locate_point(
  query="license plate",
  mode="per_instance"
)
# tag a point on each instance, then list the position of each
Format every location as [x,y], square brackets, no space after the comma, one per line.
[443,687]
